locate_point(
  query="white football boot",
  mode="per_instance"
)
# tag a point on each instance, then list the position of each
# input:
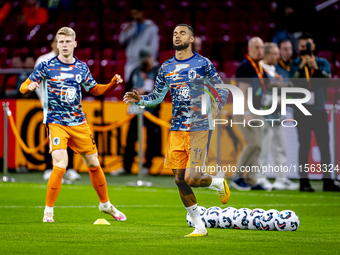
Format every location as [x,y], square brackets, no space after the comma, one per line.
[117,215]
[48,217]
[198,232]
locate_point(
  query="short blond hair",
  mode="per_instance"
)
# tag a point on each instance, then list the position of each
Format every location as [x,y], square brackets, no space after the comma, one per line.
[268,46]
[66,31]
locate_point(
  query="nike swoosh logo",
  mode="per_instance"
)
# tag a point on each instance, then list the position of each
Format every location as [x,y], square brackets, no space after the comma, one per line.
[101,185]
[54,188]
[194,162]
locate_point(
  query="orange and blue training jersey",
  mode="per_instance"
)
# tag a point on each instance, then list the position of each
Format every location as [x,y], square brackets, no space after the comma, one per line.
[62,91]
[181,78]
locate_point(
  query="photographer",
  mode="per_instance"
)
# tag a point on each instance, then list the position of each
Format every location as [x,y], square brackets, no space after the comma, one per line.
[308,67]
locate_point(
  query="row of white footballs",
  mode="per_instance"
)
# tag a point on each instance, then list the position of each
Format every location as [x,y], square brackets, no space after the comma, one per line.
[244,218]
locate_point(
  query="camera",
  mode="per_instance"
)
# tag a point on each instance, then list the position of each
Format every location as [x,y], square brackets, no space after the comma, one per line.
[308,50]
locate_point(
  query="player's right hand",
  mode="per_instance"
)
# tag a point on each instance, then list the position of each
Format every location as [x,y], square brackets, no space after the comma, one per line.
[131,97]
[33,86]
[303,62]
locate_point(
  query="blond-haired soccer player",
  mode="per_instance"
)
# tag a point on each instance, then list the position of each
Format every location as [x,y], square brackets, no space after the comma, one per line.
[188,142]
[64,75]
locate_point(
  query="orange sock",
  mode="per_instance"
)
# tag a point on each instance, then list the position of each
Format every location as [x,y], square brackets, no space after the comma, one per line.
[99,183]
[54,185]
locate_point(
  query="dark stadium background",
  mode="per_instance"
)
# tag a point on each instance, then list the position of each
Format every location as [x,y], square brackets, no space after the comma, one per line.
[224,26]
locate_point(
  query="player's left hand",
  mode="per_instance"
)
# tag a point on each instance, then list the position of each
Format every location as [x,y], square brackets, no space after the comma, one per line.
[312,63]
[117,79]
[215,110]
[131,97]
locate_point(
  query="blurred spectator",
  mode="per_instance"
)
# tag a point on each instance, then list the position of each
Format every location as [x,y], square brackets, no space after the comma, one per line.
[142,79]
[9,90]
[29,61]
[34,14]
[293,17]
[288,27]
[28,65]
[198,44]
[17,62]
[248,69]
[307,67]
[54,8]
[286,53]
[272,133]
[5,7]
[70,174]
[47,56]
[139,34]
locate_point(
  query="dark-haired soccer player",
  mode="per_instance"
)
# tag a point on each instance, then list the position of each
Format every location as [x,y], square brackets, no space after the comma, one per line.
[187,146]
[64,75]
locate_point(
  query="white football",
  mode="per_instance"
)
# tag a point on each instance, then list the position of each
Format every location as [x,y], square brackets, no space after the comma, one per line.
[211,217]
[226,217]
[287,221]
[202,211]
[255,218]
[241,218]
[268,218]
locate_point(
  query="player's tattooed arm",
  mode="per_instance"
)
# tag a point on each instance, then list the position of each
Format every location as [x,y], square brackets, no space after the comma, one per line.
[28,86]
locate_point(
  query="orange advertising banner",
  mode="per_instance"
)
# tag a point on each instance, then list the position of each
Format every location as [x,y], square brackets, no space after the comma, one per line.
[111,144]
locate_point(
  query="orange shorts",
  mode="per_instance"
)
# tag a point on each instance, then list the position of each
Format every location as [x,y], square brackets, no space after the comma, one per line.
[79,138]
[187,149]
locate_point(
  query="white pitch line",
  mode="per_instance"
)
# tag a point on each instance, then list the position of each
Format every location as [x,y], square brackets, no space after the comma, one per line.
[161,206]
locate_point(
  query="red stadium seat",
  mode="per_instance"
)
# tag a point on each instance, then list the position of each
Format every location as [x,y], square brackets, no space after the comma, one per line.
[87,15]
[3,56]
[227,50]
[118,67]
[64,19]
[230,67]
[111,33]
[165,55]
[107,68]
[336,70]
[238,16]
[94,68]
[260,16]
[327,54]
[332,67]
[41,51]
[83,54]
[207,47]
[120,55]
[216,64]
[238,31]
[108,53]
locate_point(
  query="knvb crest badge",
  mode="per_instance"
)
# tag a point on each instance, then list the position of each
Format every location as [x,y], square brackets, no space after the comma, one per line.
[78,78]
[56,141]
[192,74]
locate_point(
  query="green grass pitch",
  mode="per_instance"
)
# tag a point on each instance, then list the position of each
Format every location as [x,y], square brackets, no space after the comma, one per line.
[156,220]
